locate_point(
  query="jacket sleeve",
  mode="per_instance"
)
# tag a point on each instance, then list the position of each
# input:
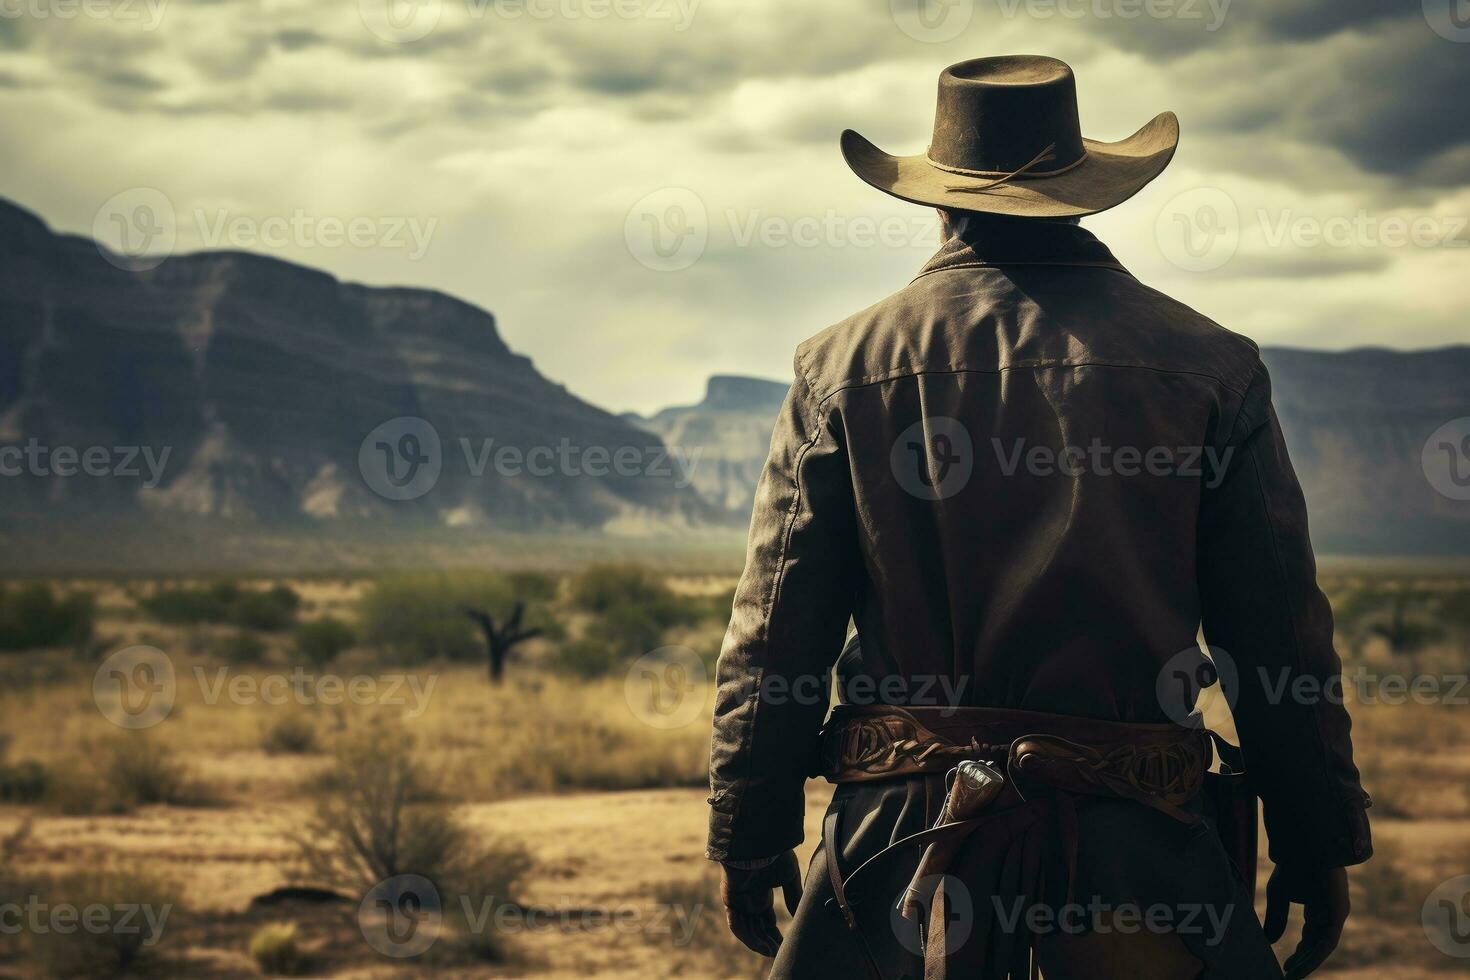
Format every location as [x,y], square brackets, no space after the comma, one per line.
[787,626]
[1261,605]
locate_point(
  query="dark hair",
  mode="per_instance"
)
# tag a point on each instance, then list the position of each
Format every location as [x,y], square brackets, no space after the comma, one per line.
[999,220]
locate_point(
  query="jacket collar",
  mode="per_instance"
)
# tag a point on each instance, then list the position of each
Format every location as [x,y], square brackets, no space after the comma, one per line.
[1023,243]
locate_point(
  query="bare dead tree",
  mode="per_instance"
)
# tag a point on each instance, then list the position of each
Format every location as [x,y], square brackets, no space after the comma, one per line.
[500,641]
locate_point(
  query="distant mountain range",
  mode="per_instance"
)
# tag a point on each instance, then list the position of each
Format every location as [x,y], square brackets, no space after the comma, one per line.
[285,398]
[731,429]
[1355,423]
[240,397]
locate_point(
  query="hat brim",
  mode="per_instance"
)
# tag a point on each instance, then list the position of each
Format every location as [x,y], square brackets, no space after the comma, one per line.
[1110,174]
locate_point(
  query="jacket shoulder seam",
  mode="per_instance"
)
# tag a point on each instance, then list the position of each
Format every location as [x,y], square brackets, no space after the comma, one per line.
[897,373]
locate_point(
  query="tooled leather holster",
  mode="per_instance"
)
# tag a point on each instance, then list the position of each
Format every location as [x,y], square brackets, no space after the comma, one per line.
[1036,756]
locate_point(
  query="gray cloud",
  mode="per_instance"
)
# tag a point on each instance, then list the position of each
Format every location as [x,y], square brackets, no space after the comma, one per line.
[531,139]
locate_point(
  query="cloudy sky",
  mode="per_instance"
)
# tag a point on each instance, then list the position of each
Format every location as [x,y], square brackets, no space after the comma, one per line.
[646,192]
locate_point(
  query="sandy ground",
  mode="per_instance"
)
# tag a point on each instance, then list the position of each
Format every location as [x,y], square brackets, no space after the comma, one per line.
[596,854]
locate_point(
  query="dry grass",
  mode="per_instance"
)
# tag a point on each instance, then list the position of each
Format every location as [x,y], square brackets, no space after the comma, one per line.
[506,750]
[538,733]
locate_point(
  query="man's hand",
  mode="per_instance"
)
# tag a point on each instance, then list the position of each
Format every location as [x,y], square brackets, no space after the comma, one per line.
[1324,894]
[750,909]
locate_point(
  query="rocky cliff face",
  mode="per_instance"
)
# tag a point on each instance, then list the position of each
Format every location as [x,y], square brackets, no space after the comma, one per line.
[731,432]
[235,387]
[1355,422]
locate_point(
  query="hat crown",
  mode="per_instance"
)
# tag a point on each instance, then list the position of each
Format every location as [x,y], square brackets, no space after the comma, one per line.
[999,115]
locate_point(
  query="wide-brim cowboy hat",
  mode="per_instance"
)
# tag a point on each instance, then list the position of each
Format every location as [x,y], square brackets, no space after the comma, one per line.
[1007,141]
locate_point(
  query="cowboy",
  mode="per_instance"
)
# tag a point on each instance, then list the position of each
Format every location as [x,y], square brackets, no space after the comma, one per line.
[996,474]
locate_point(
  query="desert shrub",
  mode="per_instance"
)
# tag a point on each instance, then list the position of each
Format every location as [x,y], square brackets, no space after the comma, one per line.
[629,630]
[586,658]
[125,771]
[319,641]
[532,586]
[380,815]
[273,609]
[109,951]
[145,770]
[417,619]
[421,617]
[225,602]
[275,950]
[634,606]
[290,734]
[239,647]
[25,781]
[33,615]
[191,606]
[602,587]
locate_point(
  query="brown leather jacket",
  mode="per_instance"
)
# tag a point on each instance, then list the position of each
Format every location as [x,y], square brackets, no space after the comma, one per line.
[921,482]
